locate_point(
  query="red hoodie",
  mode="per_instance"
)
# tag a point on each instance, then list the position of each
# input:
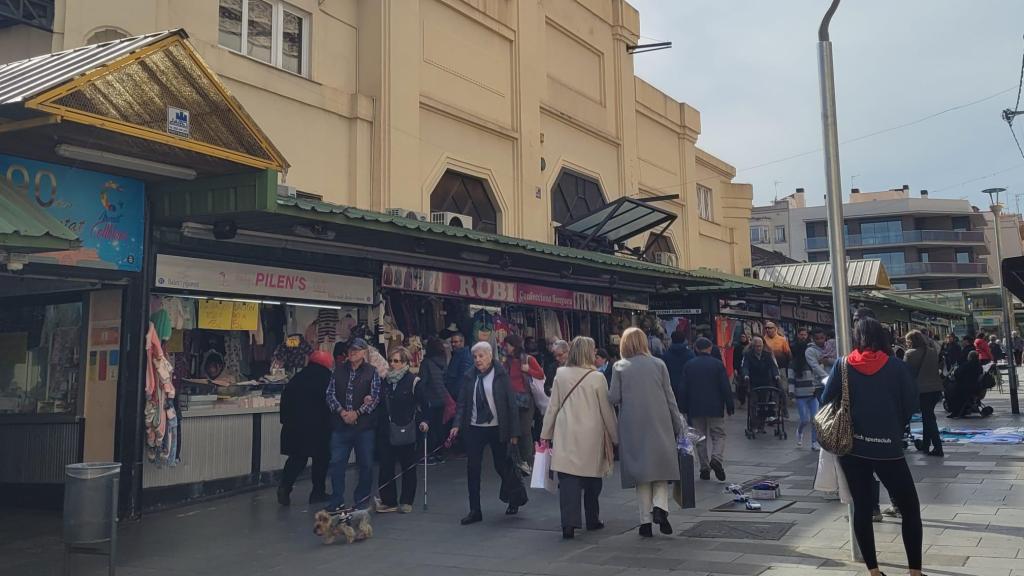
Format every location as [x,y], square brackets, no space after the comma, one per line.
[984,352]
[867,362]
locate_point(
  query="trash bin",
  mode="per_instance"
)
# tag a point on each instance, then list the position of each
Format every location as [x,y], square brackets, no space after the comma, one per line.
[90,502]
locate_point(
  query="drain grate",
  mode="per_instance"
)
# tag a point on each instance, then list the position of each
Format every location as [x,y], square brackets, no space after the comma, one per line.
[738,530]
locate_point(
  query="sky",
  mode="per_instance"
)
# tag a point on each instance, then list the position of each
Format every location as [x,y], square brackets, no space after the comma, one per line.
[750,67]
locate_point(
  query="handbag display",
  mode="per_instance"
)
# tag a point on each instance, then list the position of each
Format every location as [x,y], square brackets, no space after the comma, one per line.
[833,421]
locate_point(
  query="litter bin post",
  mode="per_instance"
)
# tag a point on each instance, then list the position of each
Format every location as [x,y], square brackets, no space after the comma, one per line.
[90,511]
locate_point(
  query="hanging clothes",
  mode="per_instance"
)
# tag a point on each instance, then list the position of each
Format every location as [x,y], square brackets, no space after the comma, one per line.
[159,390]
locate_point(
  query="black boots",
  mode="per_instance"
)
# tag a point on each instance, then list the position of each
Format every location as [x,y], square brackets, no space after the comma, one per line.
[645,530]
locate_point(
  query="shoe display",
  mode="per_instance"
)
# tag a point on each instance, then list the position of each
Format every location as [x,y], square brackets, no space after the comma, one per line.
[660,518]
[405,509]
[646,530]
[705,474]
[472,518]
[512,510]
[719,470]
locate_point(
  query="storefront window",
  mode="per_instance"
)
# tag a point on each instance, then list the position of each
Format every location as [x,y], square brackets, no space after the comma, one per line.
[40,358]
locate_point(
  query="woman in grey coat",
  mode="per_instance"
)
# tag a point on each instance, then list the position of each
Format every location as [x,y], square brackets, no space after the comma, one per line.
[923,361]
[649,423]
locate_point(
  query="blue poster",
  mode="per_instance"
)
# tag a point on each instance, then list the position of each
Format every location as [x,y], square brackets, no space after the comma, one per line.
[105,211]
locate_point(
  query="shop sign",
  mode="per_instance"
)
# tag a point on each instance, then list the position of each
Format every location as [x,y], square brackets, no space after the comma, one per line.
[630,301]
[106,212]
[678,312]
[179,122]
[194,274]
[477,288]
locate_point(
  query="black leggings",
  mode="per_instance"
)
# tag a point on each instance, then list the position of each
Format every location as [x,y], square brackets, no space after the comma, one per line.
[895,475]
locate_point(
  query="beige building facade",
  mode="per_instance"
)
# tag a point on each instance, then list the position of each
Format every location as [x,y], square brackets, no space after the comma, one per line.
[521,113]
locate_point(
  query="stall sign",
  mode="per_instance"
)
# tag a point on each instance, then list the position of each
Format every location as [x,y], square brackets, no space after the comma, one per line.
[106,212]
[678,312]
[195,274]
[477,288]
[631,301]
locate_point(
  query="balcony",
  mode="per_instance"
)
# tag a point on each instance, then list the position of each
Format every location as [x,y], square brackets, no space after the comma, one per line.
[936,269]
[901,238]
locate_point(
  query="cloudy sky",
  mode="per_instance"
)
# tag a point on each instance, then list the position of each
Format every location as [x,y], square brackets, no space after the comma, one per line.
[750,67]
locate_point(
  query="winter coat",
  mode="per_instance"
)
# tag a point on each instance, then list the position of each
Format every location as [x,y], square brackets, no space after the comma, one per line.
[305,419]
[703,390]
[461,362]
[432,379]
[401,404]
[951,355]
[924,366]
[504,403]
[649,420]
[675,358]
[583,426]
[760,369]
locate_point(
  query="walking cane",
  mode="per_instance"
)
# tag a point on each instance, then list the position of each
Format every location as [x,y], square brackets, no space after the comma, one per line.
[425,467]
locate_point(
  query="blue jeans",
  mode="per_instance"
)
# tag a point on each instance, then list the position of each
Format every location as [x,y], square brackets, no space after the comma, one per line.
[343,441]
[808,407]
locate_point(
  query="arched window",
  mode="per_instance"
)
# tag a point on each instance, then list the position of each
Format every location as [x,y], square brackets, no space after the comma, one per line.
[574,195]
[658,243]
[106,35]
[463,194]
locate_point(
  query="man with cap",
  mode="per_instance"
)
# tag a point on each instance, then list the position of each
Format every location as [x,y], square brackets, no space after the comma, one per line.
[353,394]
[704,396]
[306,427]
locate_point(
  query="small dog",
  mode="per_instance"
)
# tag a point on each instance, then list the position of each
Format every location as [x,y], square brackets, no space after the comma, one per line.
[353,525]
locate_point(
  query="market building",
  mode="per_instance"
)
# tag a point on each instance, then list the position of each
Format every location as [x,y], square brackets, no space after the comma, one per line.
[518,116]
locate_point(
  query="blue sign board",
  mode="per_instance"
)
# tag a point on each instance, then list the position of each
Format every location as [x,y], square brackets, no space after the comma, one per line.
[105,211]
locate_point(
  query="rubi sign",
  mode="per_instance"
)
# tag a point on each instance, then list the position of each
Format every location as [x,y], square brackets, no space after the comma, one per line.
[477,288]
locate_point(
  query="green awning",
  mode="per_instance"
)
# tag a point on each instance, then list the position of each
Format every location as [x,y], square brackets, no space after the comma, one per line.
[25,227]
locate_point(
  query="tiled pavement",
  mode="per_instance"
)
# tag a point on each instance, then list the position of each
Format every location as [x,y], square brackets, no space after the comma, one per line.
[973,509]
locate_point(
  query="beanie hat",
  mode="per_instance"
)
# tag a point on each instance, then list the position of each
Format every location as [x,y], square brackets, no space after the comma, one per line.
[321,358]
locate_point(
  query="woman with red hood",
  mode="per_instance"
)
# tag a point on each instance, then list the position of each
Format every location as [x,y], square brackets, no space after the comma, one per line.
[883,396]
[306,427]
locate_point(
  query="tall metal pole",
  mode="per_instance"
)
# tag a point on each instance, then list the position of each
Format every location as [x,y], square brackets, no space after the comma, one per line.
[834,192]
[1004,297]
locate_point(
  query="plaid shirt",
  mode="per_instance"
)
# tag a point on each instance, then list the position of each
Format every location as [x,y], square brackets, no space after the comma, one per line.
[332,398]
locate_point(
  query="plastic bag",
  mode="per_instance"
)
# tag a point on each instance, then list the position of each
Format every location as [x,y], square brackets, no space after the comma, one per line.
[540,397]
[687,440]
[541,478]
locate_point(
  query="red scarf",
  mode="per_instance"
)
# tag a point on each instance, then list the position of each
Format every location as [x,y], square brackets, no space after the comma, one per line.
[867,362]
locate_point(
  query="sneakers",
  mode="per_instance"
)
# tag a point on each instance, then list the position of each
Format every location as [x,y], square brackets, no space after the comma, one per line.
[719,470]
[892,512]
[800,440]
[405,509]
[815,447]
[386,508]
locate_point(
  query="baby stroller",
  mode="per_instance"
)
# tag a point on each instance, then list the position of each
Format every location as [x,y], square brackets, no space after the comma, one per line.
[962,401]
[764,410]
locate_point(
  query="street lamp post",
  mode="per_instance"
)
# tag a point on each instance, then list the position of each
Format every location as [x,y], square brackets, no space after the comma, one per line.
[1005,302]
[834,190]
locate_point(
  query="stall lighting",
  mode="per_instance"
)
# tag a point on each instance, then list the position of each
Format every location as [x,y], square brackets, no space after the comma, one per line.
[305,305]
[122,161]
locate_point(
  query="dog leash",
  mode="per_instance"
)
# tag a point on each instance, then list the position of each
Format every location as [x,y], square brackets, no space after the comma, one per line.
[426,456]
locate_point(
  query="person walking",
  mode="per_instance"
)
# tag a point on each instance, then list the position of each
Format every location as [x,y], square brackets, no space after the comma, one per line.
[819,360]
[353,394]
[951,354]
[649,423]
[997,348]
[923,363]
[486,417]
[581,424]
[1017,345]
[759,368]
[882,397]
[432,376]
[703,396]
[460,363]
[739,348]
[675,358]
[306,428]
[404,404]
[522,369]
[777,343]
[801,377]
[983,349]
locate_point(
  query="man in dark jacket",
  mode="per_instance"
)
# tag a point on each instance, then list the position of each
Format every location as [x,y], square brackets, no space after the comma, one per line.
[306,428]
[461,362]
[675,358]
[704,397]
[353,394]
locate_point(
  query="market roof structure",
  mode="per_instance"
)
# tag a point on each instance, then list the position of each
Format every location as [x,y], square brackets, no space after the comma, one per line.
[861,274]
[616,222]
[26,228]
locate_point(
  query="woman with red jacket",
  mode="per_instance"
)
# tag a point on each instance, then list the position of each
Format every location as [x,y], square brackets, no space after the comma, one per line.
[521,368]
[983,349]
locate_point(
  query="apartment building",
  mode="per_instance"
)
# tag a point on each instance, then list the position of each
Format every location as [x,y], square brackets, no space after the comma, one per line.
[925,243]
[520,114]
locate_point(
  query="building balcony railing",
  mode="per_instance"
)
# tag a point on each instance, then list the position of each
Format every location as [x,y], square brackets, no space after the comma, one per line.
[936,268]
[905,237]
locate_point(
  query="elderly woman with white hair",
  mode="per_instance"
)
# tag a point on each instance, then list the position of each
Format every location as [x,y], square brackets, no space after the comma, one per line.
[486,416]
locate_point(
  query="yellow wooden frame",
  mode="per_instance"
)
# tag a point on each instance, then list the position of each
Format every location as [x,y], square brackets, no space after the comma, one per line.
[45,102]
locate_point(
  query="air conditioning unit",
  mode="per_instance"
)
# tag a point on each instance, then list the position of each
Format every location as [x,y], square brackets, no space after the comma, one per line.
[452,219]
[410,214]
[666,259]
[287,191]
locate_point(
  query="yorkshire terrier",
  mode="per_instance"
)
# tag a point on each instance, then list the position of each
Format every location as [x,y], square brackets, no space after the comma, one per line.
[352,525]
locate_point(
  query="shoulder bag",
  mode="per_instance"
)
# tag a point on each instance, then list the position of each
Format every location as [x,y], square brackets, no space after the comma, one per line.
[401,435]
[833,422]
[571,390]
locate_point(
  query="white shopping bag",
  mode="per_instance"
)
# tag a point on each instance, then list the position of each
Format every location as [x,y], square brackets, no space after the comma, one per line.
[542,478]
[540,398]
[830,477]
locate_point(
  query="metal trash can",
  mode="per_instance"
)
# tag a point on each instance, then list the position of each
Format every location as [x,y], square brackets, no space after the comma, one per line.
[90,510]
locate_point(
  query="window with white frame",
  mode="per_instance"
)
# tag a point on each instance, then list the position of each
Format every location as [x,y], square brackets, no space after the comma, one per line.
[780,234]
[758,234]
[271,31]
[705,203]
